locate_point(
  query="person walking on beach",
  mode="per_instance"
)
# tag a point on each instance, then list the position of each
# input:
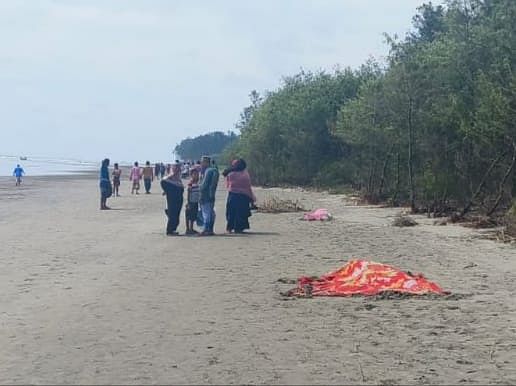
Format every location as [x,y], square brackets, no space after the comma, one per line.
[116,174]
[18,173]
[240,197]
[148,177]
[105,184]
[208,188]
[135,177]
[157,169]
[162,170]
[173,189]
[192,202]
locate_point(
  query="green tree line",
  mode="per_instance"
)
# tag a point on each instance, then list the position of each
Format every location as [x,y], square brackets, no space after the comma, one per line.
[433,128]
[211,144]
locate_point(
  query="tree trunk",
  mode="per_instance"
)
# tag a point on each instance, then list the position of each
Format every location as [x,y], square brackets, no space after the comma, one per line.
[397,187]
[370,182]
[412,193]
[384,171]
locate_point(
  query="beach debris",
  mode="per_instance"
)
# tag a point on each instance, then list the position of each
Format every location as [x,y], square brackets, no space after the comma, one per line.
[498,235]
[277,205]
[367,278]
[318,215]
[286,280]
[404,221]
[481,222]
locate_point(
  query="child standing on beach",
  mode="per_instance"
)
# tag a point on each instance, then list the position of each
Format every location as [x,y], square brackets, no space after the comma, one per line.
[192,202]
[135,177]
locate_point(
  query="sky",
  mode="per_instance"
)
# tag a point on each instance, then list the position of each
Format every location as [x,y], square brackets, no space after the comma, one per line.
[128,79]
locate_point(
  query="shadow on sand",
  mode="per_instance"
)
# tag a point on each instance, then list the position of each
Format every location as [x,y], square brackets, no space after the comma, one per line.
[247,234]
[116,209]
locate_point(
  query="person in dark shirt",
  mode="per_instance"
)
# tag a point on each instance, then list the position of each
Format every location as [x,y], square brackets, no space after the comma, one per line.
[157,170]
[173,189]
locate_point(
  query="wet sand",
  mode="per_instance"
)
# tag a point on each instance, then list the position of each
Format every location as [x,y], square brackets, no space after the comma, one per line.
[91,297]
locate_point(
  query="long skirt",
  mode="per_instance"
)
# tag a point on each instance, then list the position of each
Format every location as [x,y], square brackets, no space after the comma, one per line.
[105,188]
[174,196]
[238,212]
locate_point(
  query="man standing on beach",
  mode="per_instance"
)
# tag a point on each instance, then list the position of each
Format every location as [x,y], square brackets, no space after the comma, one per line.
[148,177]
[18,173]
[208,187]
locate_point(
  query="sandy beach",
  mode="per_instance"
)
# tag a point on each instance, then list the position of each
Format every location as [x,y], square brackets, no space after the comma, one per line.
[91,297]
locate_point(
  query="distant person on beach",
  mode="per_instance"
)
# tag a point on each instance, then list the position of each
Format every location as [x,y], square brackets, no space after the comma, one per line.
[157,170]
[117,173]
[162,170]
[135,177]
[208,188]
[105,184]
[185,170]
[173,189]
[192,202]
[18,173]
[214,164]
[240,197]
[148,177]
[169,169]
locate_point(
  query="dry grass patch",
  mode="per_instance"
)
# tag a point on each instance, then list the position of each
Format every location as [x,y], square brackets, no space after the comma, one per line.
[404,221]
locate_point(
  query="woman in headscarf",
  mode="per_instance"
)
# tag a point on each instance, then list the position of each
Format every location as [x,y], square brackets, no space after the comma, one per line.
[105,184]
[240,197]
[173,188]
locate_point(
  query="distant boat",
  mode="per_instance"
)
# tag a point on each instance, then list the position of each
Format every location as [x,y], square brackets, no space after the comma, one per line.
[23,158]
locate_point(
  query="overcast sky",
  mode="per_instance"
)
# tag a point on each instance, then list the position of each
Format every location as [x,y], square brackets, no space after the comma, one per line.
[129,79]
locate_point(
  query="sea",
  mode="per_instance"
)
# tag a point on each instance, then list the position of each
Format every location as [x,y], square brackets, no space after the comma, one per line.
[44,166]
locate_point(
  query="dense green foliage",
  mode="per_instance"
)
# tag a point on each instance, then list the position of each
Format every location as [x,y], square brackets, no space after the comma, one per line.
[211,144]
[435,128]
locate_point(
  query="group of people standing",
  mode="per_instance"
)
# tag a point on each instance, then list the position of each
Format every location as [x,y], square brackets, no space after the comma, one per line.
[200,193]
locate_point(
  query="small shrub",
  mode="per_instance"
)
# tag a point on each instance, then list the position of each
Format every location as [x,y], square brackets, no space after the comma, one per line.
[404,221]
[277,205]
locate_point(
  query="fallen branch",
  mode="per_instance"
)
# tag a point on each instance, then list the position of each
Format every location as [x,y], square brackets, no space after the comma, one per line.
[501,190]
[481,185]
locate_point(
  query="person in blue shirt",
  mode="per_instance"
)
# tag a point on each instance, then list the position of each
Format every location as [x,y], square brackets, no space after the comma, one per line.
[106,189]
[208,188]
[18,173]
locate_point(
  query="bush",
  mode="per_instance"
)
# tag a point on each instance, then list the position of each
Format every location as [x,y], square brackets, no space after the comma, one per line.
[339,173]
[510,221]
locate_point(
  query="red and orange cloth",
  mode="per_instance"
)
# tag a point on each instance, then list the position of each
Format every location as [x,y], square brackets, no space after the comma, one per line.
[362,277]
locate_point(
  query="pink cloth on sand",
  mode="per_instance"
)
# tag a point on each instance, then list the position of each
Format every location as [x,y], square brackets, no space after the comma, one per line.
[317,215]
